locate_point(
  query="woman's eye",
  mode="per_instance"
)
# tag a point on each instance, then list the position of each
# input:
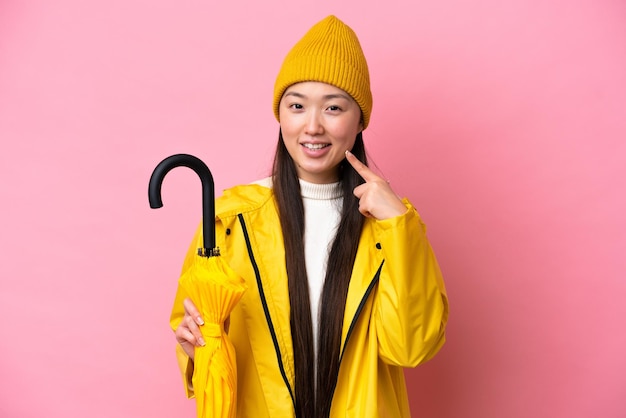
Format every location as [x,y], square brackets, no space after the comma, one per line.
[334,108]
[297,106]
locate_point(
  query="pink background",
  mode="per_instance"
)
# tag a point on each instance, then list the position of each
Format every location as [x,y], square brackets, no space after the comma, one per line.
[503,121]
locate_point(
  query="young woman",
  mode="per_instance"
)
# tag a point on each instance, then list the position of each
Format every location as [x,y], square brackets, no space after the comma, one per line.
[344,290]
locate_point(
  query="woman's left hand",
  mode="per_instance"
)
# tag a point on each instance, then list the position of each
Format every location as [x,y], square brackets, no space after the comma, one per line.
[376,198]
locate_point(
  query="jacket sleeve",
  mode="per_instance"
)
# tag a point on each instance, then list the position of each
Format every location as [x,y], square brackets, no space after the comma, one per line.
[185,363]
[411,306]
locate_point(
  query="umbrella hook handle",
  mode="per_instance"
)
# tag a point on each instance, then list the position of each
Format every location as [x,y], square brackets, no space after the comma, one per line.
[208,195]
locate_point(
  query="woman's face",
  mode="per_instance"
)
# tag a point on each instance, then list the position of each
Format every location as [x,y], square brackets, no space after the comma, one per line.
[319,122]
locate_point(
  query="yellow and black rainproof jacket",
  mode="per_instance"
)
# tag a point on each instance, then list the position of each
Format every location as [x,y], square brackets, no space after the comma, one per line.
[395,316]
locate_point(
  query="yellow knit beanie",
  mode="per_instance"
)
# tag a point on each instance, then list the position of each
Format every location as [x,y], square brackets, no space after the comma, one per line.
[329,52]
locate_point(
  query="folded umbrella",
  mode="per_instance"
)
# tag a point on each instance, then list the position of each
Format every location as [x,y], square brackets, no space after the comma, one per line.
[215,289]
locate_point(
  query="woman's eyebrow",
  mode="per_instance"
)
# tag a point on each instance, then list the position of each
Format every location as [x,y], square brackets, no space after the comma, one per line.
[336,96]
[296,94]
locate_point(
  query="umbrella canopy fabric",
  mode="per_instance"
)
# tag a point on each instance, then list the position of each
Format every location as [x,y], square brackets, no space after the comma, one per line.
[215,289]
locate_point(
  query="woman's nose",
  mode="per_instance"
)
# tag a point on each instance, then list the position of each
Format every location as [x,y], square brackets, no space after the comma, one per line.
[314,125]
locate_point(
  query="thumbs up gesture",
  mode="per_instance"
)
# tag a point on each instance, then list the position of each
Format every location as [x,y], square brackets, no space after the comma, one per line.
[376,198]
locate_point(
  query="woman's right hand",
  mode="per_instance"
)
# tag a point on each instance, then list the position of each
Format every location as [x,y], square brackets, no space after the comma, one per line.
[188,333]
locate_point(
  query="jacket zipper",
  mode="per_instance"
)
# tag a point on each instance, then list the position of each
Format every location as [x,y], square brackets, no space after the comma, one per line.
[360,308]
[265,307]
[355,318]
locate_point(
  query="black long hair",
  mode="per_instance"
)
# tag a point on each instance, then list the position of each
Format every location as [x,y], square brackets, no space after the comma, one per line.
[316,402]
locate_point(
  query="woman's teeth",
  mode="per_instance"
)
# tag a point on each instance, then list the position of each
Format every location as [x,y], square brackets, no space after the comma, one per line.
[315,146]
